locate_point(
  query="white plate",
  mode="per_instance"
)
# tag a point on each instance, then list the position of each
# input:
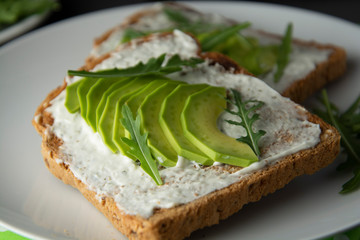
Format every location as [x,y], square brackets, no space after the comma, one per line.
[21,27]
[35,204]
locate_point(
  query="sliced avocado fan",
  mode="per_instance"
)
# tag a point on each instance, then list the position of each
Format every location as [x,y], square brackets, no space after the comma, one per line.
[179,118]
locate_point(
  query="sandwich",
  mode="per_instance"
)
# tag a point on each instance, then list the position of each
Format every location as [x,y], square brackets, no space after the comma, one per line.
[165,139]
[296,68]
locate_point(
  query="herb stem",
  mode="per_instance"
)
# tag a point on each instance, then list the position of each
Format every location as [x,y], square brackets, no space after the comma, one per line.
[284,52]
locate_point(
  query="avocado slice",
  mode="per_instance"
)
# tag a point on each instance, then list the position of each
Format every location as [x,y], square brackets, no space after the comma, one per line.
[107,119]
[199,121]
[171,125]
[101,106]
[82,92]
[136,99]
[149,112]
[71,99]
[118,130]
[94,96]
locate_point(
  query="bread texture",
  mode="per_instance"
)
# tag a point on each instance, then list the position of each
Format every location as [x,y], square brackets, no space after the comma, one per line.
[180,221]
[331,69]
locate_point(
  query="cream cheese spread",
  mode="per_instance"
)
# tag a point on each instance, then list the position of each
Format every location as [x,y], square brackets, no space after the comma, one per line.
[135,193]
[302,59]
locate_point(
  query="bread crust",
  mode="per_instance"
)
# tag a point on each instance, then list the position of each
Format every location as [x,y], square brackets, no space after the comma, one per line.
[178,222]
[324,73]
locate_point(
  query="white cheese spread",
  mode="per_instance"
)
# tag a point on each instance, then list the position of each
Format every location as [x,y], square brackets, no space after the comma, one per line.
[134,192]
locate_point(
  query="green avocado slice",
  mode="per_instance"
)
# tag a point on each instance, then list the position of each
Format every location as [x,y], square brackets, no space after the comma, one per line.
[82,92]
[118,130]
[199,121]
[107,119]
[72,103]
[170,123]
[136,99]
[94,96]
[101,106]
[149,112]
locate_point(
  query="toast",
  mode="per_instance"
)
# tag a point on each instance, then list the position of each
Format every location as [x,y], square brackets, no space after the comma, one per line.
[302,76]
[192,196]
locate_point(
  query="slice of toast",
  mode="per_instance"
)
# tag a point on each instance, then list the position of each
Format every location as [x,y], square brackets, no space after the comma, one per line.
[297,83]
[193,196]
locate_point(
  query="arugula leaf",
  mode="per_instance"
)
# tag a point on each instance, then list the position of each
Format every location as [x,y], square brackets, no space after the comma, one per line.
[183,23]
[155,66]
[247,121]
[176,16]
[284,52]
[353,183]
[220,36]
[347,139]
[351,117]
[130,33]
[138,144]
[350,138]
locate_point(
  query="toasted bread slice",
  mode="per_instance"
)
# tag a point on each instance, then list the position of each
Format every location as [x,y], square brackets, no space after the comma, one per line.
[284,154]
[296,84]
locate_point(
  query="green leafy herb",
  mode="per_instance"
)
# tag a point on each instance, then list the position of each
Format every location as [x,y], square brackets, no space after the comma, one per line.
[247,120]
[155,66]
[183,23]
[218,37]
[130,33]
[284,52]
[351,117]
[209,34]
[138,144]
[353,183]
[246,51]
[176,16]
[347,125]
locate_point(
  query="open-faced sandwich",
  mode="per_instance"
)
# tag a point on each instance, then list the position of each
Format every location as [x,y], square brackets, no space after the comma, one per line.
[164,139]
[295,68]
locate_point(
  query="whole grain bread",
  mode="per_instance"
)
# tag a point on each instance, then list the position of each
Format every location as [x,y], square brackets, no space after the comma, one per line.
[180,221]
[325,72]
